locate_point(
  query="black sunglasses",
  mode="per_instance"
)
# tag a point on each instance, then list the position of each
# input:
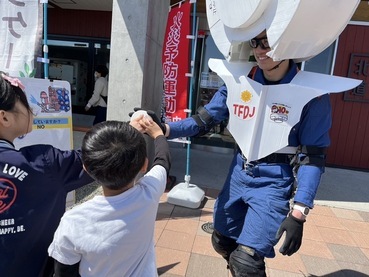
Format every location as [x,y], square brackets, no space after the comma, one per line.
[263,42]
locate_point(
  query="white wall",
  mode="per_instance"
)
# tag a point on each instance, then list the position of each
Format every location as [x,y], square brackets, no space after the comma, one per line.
[135,78]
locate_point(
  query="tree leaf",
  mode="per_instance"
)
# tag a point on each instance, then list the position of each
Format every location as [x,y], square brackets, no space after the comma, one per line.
[33,73]
[26,68]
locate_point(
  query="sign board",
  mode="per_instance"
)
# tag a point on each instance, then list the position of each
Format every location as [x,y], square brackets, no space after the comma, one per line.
[52,124]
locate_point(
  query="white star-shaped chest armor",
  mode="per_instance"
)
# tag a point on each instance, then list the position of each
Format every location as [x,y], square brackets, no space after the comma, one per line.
[261,116]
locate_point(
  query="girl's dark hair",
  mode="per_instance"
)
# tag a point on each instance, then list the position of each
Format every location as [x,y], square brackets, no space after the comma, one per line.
[102,69]
[113,153]
[10,94]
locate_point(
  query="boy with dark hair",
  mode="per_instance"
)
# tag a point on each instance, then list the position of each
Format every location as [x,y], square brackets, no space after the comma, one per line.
[112,234]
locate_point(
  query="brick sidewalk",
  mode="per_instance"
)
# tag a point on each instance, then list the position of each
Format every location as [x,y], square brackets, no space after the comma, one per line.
[336,243]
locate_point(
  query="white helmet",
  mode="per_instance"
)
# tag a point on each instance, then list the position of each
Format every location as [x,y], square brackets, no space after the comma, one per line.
[296,29]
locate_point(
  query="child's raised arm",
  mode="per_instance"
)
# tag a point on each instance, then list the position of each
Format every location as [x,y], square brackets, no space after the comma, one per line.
[150,127]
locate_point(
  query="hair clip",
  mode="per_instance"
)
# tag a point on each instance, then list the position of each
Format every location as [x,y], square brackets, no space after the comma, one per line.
[13,81]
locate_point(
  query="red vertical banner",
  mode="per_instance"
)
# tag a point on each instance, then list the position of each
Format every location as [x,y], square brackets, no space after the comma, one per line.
[176,62]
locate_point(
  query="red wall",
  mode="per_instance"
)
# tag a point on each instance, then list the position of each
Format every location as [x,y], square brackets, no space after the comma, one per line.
[83,23]
[350,130]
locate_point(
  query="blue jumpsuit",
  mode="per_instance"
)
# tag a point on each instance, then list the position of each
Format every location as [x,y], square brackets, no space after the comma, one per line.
[250,209]
[34,182]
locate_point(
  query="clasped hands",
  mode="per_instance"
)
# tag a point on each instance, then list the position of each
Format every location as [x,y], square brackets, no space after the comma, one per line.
[139,114]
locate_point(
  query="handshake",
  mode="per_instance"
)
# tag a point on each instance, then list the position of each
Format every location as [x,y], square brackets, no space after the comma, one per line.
[149,115]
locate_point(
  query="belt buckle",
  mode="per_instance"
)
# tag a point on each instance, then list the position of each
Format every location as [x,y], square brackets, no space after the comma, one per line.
[244,161]
[249,168]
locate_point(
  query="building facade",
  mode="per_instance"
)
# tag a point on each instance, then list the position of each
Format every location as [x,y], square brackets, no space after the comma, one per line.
[80,39]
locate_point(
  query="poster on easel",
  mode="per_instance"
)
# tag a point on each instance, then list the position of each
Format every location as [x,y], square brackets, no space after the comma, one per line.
[52,123]
[51,105]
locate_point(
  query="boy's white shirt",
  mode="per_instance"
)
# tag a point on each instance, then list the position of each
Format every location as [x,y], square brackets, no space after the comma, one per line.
[113,236]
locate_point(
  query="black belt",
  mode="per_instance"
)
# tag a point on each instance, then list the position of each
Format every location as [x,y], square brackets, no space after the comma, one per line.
[274,158]
[278,171]
[262,169]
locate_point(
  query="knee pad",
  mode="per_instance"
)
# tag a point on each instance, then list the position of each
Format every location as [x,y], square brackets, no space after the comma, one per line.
[245,262]
[223,245]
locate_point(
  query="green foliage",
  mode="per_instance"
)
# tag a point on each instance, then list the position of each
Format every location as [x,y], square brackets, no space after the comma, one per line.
[27,71]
